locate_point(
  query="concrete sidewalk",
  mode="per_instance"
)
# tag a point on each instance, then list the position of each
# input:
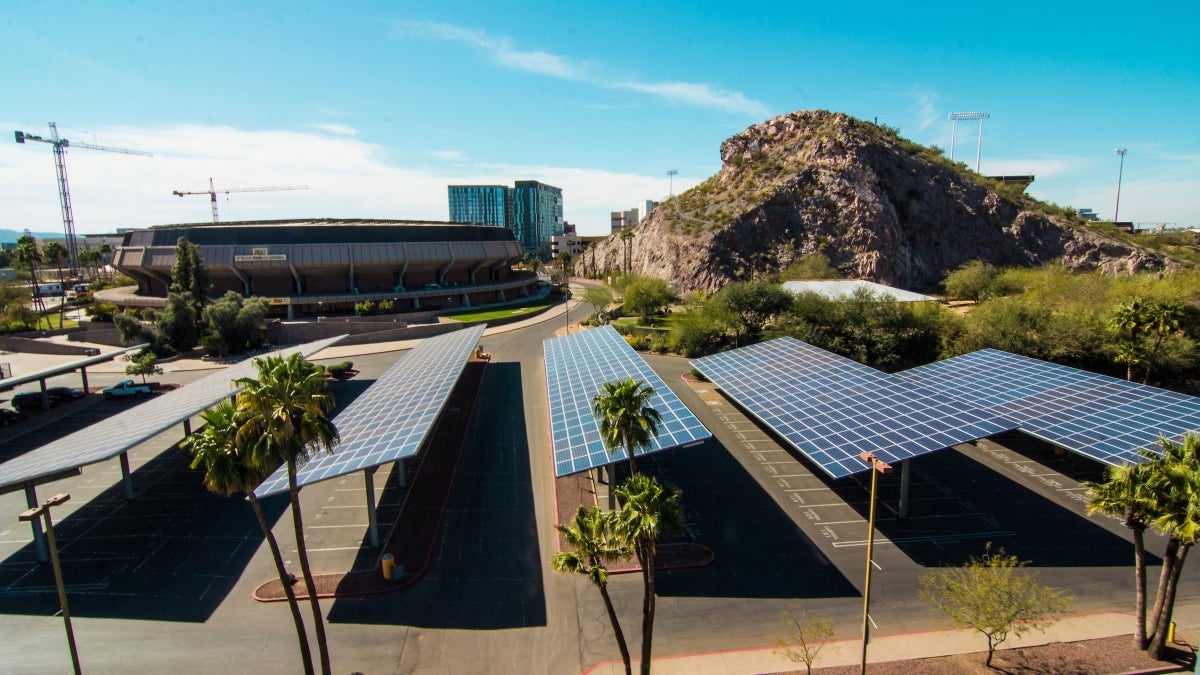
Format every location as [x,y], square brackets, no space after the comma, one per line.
[898,647]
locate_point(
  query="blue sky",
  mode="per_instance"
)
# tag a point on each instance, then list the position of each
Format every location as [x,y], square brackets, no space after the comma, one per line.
[377,106]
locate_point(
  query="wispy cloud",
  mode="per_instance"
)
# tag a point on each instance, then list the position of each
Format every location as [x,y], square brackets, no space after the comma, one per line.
[339,129]
[504,52]
[448,155]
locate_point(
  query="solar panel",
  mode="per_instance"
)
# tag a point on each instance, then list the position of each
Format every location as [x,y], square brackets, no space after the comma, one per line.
[577,366]
[13,382]
[390,419]
[1101,417]
[111,437]
[831,408]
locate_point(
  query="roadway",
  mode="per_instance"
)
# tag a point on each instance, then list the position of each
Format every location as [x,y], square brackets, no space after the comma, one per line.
[164,582]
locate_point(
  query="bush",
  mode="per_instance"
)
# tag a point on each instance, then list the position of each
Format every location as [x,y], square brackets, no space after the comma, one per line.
[102,312]
[340,370]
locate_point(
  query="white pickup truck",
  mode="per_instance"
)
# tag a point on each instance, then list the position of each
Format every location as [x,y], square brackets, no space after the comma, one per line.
[127,388]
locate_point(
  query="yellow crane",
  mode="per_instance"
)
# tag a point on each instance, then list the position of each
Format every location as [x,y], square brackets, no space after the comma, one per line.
[212,193]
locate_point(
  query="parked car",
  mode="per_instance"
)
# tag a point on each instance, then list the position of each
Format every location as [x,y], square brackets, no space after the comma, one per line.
[8,417]
[30,400]
[64,394]
[127,388]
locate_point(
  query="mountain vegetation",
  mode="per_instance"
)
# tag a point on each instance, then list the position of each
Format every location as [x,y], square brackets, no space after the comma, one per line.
[876,205]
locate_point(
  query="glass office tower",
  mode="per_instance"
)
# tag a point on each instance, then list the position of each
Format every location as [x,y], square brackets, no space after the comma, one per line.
[532,210]
[481,204]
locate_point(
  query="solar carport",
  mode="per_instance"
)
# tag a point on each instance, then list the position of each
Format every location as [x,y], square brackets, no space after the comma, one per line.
[577,366]
[81,365]
[114,436]
[391,419]
[1104,418]
[831,409]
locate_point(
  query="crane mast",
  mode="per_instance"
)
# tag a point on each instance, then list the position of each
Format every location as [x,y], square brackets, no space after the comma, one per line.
[212,193]
[60,146]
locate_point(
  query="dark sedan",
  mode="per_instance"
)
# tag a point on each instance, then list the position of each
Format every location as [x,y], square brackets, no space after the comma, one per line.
[8,417]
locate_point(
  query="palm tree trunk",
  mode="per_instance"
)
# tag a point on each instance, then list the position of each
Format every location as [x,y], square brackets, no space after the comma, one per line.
[1139,573]
[1159,643]
[1163,581]
[616,625]
[309,584]
[297,617]
[646,558]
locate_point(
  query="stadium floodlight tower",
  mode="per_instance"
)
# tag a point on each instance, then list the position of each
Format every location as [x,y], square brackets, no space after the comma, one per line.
[954,118]
[1120,173]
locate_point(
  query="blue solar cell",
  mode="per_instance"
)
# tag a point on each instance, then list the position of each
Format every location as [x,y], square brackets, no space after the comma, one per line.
[842,407]
[1098,416]
[577,366]
[392,418]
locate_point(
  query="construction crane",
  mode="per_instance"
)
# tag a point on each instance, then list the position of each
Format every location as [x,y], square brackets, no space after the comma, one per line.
[212,193]
[64,192]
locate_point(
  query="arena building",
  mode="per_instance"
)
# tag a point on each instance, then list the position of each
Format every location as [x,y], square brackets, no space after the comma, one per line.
[317,266]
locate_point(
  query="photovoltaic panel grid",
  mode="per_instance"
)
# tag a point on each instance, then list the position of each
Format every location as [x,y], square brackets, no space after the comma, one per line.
[112,436]
[1101,417]
[577,366]
[831,408]
[391,419]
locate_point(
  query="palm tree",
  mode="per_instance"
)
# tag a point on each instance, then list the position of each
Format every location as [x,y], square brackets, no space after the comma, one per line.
[627,236]
[647,511]
[285,418]
[105,250]
[227,471]
[626,419]
[54,251]
[29,256]
[1163,319]
[1126,494]
[1176,498]
[593,537]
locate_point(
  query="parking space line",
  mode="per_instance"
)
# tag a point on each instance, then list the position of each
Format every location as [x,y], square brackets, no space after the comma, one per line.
[330,527]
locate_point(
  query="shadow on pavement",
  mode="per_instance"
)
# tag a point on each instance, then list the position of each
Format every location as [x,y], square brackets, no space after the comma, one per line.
[486,567]
[171,554]
[760,553]
[959,504]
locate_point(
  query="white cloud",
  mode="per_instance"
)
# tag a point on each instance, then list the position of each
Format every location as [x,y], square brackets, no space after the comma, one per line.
[449,155]
[339,129]
[346,178]
[503,52]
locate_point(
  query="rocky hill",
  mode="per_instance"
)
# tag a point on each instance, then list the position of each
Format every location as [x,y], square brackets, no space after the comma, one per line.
[878,206]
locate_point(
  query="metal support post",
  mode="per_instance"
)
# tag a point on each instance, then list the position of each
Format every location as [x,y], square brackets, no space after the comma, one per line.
[905,470]
[372,520]
[39,537]
[126,476]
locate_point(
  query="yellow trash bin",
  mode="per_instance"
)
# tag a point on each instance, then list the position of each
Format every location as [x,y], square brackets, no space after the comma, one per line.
[388,562]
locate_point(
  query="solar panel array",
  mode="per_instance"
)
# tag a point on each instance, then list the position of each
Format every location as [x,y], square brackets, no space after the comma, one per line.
[391,419]
[110,437]
[1098,416]
[13,382]
[577,366]
[831,408]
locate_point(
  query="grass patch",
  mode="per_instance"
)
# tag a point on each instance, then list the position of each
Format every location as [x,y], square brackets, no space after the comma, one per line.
[472,315]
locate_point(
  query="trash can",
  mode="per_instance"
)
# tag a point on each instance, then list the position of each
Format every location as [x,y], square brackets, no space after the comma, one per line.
[388,562]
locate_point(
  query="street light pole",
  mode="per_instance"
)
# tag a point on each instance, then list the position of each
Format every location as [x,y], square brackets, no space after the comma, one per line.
[877,467]
[43,511]
[1120,172]
[671,173]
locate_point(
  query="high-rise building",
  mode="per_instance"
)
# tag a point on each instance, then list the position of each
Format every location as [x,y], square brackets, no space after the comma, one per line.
[625,219]
[532,210]
[481,204]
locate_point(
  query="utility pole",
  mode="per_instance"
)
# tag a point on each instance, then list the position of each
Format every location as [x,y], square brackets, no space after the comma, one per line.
[43,512]
[1120,172]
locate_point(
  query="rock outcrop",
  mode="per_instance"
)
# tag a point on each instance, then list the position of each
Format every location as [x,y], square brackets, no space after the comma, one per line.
[878,206]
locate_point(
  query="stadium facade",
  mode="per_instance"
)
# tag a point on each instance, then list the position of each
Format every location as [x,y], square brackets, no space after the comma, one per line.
[330,264]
